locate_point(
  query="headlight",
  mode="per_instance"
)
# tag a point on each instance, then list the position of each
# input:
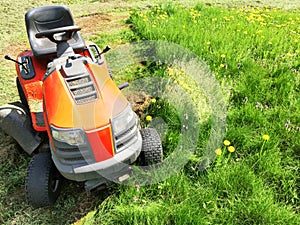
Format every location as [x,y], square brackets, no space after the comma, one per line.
[69,136]
[123,121]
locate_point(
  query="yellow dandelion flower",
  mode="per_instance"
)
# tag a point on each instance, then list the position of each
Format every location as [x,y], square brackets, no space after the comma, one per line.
[245,32]
[226,143]
[153,100]
[222,65]
[170,71]
[231,149]
[148,118]
[223,56]
[266,137]
[270,43]
[208,43]
[218,152]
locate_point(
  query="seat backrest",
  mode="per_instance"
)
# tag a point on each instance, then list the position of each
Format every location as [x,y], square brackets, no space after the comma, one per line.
[45,18]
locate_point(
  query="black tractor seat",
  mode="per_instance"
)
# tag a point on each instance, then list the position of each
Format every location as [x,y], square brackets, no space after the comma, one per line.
[42,19]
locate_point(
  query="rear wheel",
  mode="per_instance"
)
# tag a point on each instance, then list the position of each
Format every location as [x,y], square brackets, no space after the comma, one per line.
[152,151]
[43,181]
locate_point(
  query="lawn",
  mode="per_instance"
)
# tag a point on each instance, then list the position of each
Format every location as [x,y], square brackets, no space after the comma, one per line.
[252,52]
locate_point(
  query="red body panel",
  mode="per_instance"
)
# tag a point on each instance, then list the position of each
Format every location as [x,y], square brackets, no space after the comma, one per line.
[101,139]
[33,88]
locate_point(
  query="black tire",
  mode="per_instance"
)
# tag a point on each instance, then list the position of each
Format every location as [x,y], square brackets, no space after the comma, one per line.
[43,181]
[152,151]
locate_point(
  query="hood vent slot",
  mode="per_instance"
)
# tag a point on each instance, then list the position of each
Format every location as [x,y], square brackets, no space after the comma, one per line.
[82,88]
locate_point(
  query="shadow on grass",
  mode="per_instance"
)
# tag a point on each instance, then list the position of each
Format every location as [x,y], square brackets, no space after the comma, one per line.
[72,204]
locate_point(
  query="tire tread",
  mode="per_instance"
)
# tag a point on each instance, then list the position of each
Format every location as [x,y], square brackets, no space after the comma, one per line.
[152,151]
[37,181]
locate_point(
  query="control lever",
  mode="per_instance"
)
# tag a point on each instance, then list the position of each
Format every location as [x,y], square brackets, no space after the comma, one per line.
[124,85]
[7,57]
[106,49]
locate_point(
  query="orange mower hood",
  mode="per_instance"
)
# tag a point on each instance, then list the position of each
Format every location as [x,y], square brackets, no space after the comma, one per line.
[81,94]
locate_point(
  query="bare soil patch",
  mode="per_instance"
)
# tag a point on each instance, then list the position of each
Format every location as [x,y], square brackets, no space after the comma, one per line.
[96,23]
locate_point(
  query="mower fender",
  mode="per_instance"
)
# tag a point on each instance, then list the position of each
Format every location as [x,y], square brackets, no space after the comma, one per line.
[15,122]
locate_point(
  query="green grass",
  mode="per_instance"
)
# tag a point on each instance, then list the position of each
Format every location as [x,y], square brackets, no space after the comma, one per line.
[254,54]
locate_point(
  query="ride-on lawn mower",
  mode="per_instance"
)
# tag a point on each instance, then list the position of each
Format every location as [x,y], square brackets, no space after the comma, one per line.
[72,117]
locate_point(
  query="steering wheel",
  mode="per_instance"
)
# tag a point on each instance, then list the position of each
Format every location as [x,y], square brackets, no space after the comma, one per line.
[58,35]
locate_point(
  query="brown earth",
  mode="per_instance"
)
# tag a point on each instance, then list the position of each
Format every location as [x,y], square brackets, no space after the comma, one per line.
[96,23]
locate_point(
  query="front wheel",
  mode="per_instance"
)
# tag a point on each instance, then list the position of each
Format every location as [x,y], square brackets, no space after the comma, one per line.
[152,152]
[43,181]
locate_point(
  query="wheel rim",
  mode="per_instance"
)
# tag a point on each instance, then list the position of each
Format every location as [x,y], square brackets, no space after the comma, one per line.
[54,181]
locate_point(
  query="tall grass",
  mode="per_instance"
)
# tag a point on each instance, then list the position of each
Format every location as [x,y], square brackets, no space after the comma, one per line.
[254,54]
